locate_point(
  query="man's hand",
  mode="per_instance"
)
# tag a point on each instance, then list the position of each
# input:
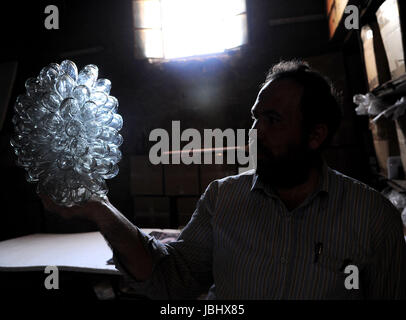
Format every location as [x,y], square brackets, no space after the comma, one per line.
[115,227]
[86,211]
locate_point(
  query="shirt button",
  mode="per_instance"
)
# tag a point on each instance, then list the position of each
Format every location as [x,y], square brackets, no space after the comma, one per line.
[284,260]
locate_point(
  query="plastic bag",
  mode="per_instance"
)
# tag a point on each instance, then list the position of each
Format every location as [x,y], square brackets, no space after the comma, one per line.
[396,198]
[368,104]
[404,217]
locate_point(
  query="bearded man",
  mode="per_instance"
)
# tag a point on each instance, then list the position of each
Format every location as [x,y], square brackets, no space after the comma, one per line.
[291,229]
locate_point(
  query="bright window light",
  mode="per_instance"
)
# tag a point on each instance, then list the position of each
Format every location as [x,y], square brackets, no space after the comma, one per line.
[170,29]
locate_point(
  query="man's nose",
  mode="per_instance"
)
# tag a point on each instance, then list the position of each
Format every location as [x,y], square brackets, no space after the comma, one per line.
[258,129]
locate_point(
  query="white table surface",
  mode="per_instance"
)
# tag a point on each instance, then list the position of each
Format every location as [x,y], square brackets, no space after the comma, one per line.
[86,252]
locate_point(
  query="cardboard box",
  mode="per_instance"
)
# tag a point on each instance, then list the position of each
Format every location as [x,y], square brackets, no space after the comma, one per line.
[186,207]
[152,211]
[144,206]
[389,25]
[181,179]
[146,178]
[369,56]
[329,6]
[385,142]
[210,172]
[335,11]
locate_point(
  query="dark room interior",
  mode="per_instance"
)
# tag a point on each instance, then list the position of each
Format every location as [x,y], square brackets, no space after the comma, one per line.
[155,87]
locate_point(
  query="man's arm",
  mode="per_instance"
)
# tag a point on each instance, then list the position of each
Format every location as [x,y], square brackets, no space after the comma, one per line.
[385,275]
[116,228]
[180,269]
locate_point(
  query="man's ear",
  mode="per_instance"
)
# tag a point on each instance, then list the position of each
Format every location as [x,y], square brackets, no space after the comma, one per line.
[317,136]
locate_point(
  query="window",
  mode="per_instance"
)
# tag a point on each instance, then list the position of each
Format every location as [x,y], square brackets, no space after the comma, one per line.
[169,29]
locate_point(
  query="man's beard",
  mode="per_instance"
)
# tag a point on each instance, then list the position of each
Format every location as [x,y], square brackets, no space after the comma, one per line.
[288,170]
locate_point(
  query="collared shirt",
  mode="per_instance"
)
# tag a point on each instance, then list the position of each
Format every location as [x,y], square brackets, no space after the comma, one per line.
[344,242]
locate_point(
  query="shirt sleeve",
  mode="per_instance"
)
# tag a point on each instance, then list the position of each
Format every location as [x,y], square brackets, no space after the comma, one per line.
[182,269]
[385,275]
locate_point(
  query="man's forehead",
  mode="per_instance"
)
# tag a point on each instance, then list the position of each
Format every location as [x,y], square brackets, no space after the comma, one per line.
[280,93]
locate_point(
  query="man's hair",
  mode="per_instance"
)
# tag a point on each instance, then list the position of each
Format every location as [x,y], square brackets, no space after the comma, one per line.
[318,103]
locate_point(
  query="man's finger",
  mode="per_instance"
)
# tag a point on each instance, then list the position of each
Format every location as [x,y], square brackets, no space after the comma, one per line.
[45,200]
[49,204]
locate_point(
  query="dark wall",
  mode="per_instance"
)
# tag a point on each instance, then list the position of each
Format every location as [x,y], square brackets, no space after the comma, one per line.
[213,93]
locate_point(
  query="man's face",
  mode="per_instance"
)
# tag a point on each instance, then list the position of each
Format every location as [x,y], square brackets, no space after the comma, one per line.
[284,158]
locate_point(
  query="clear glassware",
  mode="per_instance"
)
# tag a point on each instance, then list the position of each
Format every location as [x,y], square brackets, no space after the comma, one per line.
[116,122]
[98,97]
[48,76]
[103,85]
[51,101]
[73,128]
[104,117]
[81,94]
[88,75]
[115,154]
[104,166]
[69,108]
[52,123]
[69,68]
[99,149]
[64,86]
[93,129]
[88,111]
[112,173]
[111,104]
[65,161]
[66,133]
[33,87]
[78,146]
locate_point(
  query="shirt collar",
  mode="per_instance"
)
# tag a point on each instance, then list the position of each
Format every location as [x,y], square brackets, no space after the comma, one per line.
[323,185]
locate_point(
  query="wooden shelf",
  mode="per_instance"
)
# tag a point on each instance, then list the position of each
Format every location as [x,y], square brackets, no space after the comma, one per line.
[392,89]
[367,12]
[398,185]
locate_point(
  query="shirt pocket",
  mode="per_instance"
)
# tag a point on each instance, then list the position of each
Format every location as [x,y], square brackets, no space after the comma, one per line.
[330,263]
[337,264]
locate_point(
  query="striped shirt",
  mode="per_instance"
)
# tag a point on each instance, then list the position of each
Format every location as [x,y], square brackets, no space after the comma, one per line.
[242,243]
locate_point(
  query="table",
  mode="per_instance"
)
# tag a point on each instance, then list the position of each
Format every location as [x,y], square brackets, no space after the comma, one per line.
[82,258]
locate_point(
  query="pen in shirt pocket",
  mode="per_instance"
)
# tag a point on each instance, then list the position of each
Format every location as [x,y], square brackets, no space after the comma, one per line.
[318,249]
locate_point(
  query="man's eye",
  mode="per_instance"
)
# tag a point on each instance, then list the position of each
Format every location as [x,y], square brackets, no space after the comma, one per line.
[272,119]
